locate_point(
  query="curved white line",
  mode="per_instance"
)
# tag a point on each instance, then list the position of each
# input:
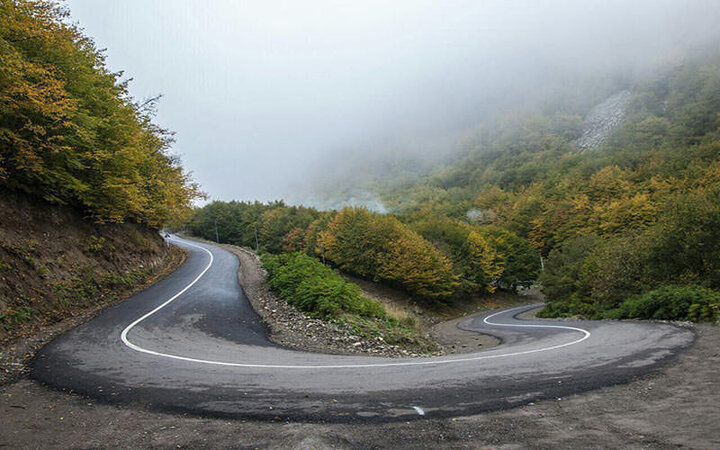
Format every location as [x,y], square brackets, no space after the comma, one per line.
[123,337]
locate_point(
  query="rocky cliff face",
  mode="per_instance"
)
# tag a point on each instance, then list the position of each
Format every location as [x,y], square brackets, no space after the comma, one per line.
[602,119]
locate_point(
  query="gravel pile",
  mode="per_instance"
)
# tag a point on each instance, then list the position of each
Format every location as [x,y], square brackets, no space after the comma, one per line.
[292,329]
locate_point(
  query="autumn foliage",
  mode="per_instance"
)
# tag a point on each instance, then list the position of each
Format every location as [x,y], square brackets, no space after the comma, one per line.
[612,223]
[433,258]
[69,131]
[381,248]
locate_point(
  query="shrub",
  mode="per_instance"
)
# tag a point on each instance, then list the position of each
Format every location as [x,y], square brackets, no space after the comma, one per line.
[692,302]
[307,284]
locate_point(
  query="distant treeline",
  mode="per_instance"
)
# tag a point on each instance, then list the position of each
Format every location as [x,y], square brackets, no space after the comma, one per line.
[614,223]
[69,131]
[432,257]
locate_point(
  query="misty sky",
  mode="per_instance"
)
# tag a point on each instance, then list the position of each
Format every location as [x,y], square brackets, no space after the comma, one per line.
[261,92]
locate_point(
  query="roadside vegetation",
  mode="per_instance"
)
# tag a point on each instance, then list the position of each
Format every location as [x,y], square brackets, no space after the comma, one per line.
[435,259]
[693,303]
[322,292]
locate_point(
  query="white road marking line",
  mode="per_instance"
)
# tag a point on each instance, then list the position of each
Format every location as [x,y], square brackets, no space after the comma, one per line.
[123,335]
[126,341]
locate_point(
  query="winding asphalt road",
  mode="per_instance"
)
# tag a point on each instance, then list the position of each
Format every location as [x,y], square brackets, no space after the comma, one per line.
[191,343]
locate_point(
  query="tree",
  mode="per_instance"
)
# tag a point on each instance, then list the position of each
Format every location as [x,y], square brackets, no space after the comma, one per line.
[381,248]
[69,131]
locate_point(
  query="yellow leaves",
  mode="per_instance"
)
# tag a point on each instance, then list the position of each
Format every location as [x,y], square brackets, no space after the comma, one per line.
[610,181]
[626,213]
[69,133]
[485,258]
[381,247]
[415,263]
[710,176]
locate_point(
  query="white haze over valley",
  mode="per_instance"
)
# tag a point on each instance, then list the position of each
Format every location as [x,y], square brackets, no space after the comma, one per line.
[268,96]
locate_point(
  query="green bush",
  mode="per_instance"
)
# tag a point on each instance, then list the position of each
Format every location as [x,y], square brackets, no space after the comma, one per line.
[563,280]
[310,286]
[692,302]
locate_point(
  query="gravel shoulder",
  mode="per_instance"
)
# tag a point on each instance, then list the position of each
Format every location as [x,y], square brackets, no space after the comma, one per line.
[673,408]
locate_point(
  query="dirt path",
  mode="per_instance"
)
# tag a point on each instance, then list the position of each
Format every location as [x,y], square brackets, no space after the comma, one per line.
[674,408]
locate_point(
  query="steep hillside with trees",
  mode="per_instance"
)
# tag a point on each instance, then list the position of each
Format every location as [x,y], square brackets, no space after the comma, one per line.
[615,222]
[69,131]
[612,222]
[86,177]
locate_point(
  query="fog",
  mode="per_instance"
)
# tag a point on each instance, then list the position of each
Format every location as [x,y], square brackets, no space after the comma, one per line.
[267,97]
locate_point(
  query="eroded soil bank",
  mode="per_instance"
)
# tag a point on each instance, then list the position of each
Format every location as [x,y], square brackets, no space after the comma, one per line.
[58,270]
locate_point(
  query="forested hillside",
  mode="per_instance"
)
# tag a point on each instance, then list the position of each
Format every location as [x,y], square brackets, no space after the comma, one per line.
[86,177]
[639,212]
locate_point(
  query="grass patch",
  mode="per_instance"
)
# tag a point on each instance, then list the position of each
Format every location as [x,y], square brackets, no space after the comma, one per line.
[98,245]
[14,317]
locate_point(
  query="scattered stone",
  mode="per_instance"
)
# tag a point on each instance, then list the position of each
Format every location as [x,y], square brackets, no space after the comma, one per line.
[602,119]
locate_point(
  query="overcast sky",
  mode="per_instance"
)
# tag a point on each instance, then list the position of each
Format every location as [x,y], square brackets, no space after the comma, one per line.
[260,92]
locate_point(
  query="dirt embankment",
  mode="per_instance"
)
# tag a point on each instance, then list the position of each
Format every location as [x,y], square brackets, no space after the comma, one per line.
[57,270]
[439,321]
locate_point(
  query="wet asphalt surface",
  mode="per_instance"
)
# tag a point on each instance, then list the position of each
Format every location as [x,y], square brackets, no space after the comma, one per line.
[206,353]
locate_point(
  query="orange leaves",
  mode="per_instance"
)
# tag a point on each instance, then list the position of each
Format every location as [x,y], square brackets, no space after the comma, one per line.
[381,248]
[68,130]
[294,241]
